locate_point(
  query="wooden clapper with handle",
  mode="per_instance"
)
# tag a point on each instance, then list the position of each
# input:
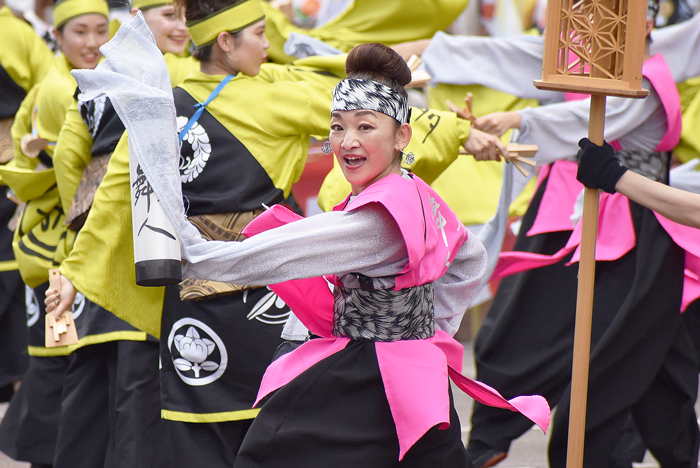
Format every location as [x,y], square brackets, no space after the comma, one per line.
[61,331]
[518,154]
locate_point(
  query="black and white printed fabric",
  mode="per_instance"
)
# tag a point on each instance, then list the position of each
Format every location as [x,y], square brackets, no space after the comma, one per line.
[351,94]
[219,174]
[215,351]
[103,123]
[90,320]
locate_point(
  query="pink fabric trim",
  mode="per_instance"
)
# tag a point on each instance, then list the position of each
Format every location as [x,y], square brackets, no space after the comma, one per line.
[311,301]
[271,218]
[433,234]
[558,199]
[616,237]
[288,366]
[416,384]
[657,72]
[412,371]
[691,289]
[616,234]
[688,239]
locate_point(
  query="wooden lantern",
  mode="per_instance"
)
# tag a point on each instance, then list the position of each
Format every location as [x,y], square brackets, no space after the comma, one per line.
[592,47]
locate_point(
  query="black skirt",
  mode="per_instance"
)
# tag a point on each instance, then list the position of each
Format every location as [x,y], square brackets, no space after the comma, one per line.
[336,414]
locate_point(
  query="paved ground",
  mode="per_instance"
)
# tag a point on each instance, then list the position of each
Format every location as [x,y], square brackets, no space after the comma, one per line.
[530,451]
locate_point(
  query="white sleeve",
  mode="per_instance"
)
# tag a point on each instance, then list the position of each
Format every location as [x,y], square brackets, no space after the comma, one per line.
[680,46]
[366,240]
[455,290]
[638,124]
[509,65]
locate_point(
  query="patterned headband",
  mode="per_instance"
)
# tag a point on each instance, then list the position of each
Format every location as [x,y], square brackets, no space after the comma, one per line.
[351,94]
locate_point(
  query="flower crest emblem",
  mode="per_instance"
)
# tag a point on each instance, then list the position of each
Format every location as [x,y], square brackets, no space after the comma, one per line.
[194,351]
[198,353]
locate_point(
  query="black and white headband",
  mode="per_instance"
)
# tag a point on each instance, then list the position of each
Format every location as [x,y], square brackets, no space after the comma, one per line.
[352,94]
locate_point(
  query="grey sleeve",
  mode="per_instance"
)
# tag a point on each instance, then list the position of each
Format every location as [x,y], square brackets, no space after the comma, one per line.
[639,124]
[366,240]
[455,290]
[680,46]
[505,64]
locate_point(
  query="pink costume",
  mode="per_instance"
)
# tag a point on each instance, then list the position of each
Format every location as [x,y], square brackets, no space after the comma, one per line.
[616,234]
[414,372]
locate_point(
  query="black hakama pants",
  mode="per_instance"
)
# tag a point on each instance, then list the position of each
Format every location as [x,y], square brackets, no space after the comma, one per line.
[29,429]
[13,329]
[111,408]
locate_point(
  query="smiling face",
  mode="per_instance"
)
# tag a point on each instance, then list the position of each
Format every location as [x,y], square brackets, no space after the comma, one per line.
[365,144]
[167,27]
[248,51]
[81,38]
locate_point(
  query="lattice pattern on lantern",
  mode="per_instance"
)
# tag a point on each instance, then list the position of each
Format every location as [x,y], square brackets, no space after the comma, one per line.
[593,35]
[594,46]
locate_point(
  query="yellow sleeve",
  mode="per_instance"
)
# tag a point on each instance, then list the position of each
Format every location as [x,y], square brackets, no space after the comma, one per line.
[300,108]
[689,146]
[101,264]
[388,22]
[437,138]
[40,59]
[71,155]
[277,30]
[470,187]
[28,59]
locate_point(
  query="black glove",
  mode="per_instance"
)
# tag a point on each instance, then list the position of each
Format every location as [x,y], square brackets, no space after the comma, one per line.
[598,168]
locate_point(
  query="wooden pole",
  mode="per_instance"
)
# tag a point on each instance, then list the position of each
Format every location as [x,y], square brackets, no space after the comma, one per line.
[584,301]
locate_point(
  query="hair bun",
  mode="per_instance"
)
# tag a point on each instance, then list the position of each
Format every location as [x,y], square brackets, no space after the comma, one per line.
[378,59]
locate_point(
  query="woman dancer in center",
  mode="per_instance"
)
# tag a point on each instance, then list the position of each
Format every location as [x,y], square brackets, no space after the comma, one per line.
[373,390]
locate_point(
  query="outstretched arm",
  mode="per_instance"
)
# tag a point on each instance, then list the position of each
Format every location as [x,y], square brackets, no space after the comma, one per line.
[599,169]
[675,204]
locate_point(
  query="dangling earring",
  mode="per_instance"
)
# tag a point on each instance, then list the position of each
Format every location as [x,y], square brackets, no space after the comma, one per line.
[409,158]
[326,148]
